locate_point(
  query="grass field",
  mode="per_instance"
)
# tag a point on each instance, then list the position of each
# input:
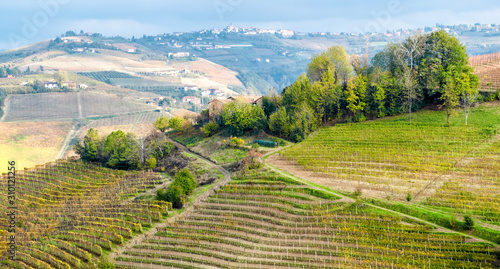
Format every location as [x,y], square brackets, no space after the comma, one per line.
[30,143]
[262,220]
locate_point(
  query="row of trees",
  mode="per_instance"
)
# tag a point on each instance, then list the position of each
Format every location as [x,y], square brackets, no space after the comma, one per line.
[404,77]
[123,151]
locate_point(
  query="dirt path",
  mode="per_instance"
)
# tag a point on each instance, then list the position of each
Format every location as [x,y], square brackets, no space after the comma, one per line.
[79,99]
[66,142]
[5,108]
[203,197]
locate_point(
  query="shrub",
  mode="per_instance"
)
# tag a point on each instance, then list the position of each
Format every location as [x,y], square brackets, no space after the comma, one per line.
[183,185]
[453,222]
[357,192]
[185,180]
[175,195]
[408,197]
[210,129]
[468,222]
[237,141]
[491,97]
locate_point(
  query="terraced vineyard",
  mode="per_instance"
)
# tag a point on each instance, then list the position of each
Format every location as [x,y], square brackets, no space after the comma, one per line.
[70,213]
[488,69]
[261,220]
[385,158]
[474,188]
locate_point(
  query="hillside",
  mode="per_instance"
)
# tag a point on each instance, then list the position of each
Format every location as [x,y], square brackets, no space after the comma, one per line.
[488,69]
[436,171]
[205,73]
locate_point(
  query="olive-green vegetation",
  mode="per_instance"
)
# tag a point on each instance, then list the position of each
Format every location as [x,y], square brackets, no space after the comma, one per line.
[424,70]
[123,151]
[183,185]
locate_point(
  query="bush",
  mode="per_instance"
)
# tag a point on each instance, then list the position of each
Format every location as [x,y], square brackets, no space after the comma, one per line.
[185,180]
[357,192]
[210,129]
[453,222]
[408,197]
[237,141]
[183,185]
[468,222]
[491,97]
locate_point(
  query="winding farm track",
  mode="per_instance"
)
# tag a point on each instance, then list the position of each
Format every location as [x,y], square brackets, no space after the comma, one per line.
[204,196]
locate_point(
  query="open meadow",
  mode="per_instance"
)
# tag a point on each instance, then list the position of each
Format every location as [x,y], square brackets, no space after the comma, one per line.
[31,143]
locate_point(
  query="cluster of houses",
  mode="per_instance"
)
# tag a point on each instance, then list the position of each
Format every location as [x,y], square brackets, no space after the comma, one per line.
[53,84]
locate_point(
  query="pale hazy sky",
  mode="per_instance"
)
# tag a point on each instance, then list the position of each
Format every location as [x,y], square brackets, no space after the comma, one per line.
[28,21]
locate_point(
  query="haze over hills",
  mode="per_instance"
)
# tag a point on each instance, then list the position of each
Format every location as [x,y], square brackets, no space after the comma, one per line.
[257,59]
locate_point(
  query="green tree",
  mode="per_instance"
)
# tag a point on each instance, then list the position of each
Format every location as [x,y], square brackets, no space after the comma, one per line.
[161,123]
[294,95]
[379,98]
[241,116]
[468,222]
[334,59]
[318,66]
[176,123]
[186,181]
[355,94]
[90,149]
[117,150]
[304,122]
[210,129]
[278,122]
[442,51]
[2,73]
[458,81]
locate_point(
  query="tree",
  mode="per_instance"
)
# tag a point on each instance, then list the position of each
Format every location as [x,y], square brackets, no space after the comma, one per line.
[441,52]
[2,73]
[318,66]
[90,149]
[176,123]
[278,122]
[355,94]
[116,150]
[304,122]
[298,92]
[336,59]
[407,56]
[186,181]
[60,77]
[210,129]
[468,222]
[379,98]
[469,83]
[241,116]
[458,81]
[161,123]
